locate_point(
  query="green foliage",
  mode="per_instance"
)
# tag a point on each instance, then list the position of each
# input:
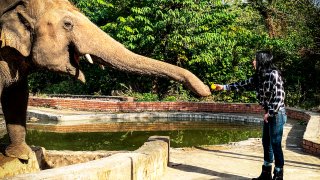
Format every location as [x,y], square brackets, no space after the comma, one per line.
[214,40]
[97,15]
[298,49]
[200,36]
[144,96]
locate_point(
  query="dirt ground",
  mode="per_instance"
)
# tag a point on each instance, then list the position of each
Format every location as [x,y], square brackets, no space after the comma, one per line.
[243,160]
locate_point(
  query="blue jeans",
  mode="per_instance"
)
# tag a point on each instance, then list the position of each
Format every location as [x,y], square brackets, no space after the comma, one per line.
[272,137]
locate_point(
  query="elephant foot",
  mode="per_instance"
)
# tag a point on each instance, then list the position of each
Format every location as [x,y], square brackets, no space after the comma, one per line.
[20,151]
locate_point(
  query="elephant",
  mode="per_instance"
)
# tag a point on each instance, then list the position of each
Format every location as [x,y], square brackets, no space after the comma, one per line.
[53,35]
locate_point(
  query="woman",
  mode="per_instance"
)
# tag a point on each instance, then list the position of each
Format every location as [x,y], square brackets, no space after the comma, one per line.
[268,84]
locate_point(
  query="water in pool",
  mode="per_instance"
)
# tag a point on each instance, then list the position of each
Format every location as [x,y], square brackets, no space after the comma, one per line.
[194,134]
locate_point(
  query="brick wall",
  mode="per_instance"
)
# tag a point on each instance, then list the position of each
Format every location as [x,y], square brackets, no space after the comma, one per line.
[311,147]
[144,106]
[297,114]
[127,126]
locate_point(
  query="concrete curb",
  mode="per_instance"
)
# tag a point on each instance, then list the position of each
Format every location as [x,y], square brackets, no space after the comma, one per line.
[148,162]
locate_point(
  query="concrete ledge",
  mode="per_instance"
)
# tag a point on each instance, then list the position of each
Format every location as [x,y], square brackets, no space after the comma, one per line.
[62,118]
[148,162]
[50,159]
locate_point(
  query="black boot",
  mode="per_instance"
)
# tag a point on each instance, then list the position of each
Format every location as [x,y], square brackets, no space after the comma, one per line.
[278,175]
[265,174]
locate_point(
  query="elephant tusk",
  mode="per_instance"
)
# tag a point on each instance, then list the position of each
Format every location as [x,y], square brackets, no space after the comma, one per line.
[88,57]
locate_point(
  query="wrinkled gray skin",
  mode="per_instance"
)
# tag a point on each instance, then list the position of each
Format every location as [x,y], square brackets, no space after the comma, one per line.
[53,34]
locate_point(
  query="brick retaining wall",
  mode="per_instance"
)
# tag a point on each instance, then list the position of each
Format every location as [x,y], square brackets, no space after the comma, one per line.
[144,106]
[310,144]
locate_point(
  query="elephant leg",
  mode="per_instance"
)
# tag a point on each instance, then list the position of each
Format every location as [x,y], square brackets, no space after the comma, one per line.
[18,147]
[14,102]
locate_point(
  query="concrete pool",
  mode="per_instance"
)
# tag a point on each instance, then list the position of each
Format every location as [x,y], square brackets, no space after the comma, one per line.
[184,130]
[75,171]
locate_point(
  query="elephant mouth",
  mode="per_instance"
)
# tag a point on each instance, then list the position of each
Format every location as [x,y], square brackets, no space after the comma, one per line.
[74,55]
[74,58]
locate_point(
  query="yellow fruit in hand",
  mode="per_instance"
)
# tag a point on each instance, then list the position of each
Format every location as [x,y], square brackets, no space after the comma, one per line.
[213,86]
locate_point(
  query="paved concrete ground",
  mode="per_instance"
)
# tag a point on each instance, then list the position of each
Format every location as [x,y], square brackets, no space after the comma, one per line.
[243,160]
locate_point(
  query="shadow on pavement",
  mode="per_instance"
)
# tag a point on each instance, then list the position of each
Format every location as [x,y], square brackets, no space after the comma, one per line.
[299,164]
[295,136]
[233,155]
[219,175]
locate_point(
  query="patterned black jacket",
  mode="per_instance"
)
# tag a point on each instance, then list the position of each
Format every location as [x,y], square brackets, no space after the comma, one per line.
[270,92]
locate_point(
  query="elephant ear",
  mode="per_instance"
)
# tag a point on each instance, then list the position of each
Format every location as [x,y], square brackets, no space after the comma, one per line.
[16,28]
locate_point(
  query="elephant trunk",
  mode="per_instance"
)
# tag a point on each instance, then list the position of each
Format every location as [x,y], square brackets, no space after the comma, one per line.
[112,53]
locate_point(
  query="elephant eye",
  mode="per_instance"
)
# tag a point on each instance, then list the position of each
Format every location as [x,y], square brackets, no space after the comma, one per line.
[67,24]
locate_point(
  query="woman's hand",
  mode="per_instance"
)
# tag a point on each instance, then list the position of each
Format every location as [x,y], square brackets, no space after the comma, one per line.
[265,117]
[218,87]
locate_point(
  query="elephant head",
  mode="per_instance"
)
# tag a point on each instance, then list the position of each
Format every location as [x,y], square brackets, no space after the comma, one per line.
[55,35]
